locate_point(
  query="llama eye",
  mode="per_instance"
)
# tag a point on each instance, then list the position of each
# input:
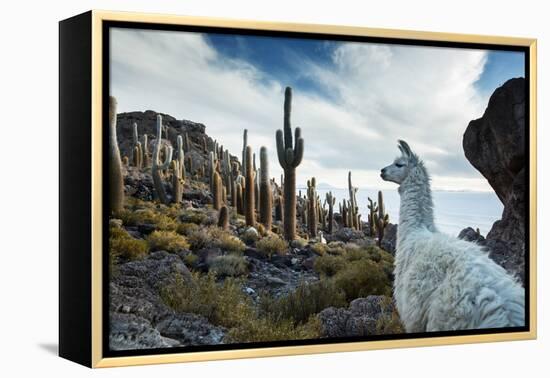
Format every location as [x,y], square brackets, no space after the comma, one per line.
[399,165]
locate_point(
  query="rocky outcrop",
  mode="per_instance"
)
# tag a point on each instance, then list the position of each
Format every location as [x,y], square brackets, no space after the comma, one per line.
[361,319]
[389,241]
[139,319]
[495,145]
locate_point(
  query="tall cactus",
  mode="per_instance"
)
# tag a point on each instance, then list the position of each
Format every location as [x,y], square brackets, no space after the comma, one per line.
[116,184]
[353,207]
[181,158]
[249,201]
[239,197]
[159,166]
[177,182]
[223,218]
[312,214]
[290,157]
[217,192]
[382,218]
[135,150]
[373,208]
[245,144]
[265,190]
[330,201]
[146,161]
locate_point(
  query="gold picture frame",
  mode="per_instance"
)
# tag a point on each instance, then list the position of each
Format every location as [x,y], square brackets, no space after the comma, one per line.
[94,356]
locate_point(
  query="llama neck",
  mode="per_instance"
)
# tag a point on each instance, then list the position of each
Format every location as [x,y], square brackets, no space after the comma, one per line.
[416,209]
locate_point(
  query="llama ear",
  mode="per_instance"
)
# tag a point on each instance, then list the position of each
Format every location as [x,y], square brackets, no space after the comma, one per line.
[402,151]
[404,148]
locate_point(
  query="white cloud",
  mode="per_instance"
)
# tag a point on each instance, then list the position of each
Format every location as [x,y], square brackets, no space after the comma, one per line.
[379,93]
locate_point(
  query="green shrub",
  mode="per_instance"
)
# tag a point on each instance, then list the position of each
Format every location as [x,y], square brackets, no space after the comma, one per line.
[319,248]
[193,216]
[222,304]
[225,241]
[336,248]
[229,265]
[266,329]
[272,244]
[190,260]
[167,240]
[199,239]
[186,229]
[329,265]
[299,242]
[147,216]
[389,325]
[124,246]
[214,237]
[308,299]
[362,278]
[225,304]
[354,253]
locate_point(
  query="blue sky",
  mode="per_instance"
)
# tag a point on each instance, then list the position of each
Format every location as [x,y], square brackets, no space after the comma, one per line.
[280,56]
[352,100]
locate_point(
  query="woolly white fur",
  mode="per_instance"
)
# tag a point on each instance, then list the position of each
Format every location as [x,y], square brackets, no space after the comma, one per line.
[443,283]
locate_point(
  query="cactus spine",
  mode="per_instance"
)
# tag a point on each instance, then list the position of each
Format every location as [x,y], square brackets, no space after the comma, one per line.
[289,157]
[330,201]
[116,184]
[223,218]
[249,201]
[265,190]
[159,166]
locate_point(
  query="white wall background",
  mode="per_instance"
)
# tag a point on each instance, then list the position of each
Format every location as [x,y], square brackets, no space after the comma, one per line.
[29,189]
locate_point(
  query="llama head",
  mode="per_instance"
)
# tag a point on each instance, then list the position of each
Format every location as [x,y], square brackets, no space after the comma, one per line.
[399,170]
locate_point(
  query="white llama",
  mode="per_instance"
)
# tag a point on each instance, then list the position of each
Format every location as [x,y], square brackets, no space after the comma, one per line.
[443,283]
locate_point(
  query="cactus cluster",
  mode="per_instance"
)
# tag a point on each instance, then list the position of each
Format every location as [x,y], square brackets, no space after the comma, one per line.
[241,187]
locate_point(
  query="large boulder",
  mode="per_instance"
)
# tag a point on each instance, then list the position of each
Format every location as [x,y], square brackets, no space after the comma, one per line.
[362,318]
[495,145]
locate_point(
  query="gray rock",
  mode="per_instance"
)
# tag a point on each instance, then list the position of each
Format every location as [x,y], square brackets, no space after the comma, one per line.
[471,235]
[139,317]
[346,234]
[495,146]
[128,331]
[389,241]
[360,319]
[191,329]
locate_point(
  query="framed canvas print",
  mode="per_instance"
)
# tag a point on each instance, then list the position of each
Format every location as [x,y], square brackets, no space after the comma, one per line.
[235,189]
